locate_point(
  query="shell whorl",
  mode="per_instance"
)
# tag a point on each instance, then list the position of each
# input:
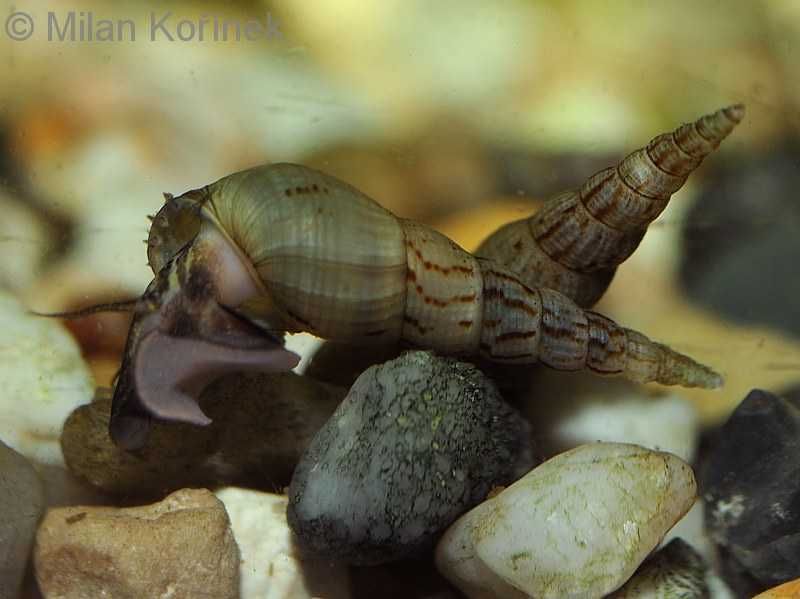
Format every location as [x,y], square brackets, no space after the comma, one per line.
[632,194]
[332,260]
[576,241]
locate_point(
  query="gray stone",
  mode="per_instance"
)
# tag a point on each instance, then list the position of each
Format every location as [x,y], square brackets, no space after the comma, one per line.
[21,506]
[752,492]
[417,441]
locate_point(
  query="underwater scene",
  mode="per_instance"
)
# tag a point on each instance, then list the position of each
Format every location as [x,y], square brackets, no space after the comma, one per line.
[413,300]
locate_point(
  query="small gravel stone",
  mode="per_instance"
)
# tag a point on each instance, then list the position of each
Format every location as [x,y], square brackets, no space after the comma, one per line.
[168,462]
[272,566]
[788,590]
[342,363]
[676,571]
[752,493]
[577,526]
[417,441]
[181,548]
[44,378]
[21,506]
[261,425]
[266,421]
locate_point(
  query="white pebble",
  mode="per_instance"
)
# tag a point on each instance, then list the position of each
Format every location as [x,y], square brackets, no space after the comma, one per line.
[576,526]
[44,379]
[271,565]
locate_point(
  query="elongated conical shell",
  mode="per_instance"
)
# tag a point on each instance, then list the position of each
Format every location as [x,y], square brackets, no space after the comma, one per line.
[632,194]
[298,250]
[576,241]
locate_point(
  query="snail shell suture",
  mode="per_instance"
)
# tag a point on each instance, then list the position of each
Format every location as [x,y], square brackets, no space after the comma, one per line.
[282,247]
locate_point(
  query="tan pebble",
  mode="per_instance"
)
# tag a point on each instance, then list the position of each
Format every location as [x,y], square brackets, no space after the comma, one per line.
[163,465]
[261,424]
[788,590]
[181,547]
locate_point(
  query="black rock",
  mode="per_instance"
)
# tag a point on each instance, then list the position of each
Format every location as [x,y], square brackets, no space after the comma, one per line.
[752,492]
[741,241]
[417,442]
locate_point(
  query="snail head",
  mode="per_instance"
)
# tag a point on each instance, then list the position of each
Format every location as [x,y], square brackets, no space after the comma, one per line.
[186,330]
[184,335]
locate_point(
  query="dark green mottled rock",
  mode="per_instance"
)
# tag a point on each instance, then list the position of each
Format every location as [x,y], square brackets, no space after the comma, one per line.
[751,488]
[21,505]
[416,442]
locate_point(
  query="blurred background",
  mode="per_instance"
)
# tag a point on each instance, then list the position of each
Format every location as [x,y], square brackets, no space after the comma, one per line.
[460,114]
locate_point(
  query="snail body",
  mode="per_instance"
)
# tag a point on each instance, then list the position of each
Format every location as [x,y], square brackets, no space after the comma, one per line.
[282,247]
[326,259]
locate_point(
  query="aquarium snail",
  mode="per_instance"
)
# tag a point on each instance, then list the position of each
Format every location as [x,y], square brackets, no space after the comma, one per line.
[282,248]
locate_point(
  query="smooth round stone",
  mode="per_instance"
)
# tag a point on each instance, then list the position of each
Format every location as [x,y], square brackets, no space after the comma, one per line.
[21,506]
[182,547]
[266,421]
[171,459]
[44,379]
[417,441]
[261,424]
[457,560]
[342,363]
[577,526]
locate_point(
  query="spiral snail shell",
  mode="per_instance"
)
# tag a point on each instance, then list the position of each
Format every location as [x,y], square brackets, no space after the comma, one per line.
[282,247]
[575,243]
